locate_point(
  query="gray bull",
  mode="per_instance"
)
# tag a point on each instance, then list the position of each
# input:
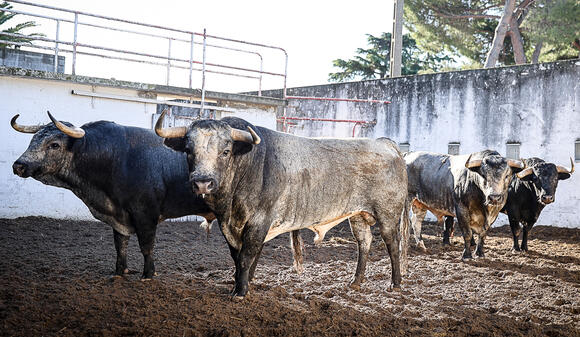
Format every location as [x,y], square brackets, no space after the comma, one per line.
[472,188]
[124,175]
[264,183]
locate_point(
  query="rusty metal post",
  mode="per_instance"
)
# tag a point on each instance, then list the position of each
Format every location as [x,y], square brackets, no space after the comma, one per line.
[74,65]
[203,74]
[56,46]
[260,79]
[168,61]
[191,61]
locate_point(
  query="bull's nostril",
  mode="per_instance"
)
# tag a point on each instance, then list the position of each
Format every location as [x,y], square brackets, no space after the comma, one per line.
[19,168]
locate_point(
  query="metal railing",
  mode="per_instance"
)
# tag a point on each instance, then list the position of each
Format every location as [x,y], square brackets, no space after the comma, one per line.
[170,34]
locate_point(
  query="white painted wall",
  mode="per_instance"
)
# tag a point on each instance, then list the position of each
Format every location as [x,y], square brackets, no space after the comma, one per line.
[536,105]
[31,98]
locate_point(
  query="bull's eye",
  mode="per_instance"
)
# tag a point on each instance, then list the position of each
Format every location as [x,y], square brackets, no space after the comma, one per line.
[54,146]
[226,153]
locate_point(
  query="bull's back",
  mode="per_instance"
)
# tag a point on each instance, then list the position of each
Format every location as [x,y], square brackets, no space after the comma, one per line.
[431,180]
[311,180]
[149,175]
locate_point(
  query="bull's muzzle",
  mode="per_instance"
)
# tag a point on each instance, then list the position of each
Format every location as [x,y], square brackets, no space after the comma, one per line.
[203,185]
[494,199]
[21,169]
[547,199]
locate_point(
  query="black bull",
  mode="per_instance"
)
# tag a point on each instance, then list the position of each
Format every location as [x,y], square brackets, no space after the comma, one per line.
[124,175]
[528,195]
[264,183]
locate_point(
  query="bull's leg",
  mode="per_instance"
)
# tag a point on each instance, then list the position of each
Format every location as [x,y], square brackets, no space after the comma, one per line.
[479,248]
[463,221]
[448,230]
[515,227]
[361,231]
[146,243]
[526,230]
[297,245]
[252,243]
[121,243]
[254,265]
[416,222]
[390,234]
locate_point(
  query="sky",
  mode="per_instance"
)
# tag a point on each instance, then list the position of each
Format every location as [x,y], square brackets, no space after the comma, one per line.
[313,33]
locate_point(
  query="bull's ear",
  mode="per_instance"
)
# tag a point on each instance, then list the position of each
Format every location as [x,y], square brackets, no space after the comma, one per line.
[177,144]
[240,148]
[563,176]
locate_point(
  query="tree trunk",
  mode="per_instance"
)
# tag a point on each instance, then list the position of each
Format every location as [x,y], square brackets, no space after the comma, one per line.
[517,42]
[536,54]
[500,32]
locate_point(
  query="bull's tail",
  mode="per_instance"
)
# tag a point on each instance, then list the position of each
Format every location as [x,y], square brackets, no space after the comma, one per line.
[404,237]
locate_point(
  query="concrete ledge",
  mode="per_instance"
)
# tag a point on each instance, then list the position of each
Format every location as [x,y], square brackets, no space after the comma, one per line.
[144,87]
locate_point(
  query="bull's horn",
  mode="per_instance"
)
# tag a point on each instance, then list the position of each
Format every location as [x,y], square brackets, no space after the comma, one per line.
[173,132]
[472,163]
[524,173]
[516,163]
[562,169]
[245,136]
[74,131]
[24,128]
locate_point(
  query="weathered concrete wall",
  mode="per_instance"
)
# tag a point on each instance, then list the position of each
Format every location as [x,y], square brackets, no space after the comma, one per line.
[30,60]
[31,94]
[535,105]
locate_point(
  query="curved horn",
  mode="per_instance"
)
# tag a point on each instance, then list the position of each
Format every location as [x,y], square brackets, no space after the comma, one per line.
[516,163]
[562,169]
[524,173]
[472,163]
[245,136]
[24,128]
[174,132]
[74,131]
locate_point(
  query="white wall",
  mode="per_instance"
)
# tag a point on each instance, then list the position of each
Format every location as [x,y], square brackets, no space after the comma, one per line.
[536,105]
[31,98]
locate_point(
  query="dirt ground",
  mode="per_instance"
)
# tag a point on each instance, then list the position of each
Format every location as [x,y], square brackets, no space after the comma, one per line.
[56,281]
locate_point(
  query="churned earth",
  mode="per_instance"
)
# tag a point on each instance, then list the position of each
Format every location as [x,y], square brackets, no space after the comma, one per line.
[56,282]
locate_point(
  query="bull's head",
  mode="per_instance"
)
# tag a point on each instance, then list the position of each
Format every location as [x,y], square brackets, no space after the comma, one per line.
[210,146]
[496,173]
[49,151]
[544,177]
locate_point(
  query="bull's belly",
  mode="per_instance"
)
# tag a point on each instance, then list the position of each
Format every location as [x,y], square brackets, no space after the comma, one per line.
[438,210]
[113,222]
[319,228]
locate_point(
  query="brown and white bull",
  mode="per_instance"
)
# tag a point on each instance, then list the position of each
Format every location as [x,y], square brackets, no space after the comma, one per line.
[261,183]
[473,188]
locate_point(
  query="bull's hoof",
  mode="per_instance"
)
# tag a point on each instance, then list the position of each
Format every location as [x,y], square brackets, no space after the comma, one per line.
[422,247]
[237,299]
[146,279]
[394,288]
[299,268]
[115,277]
[466,259]
[354,285]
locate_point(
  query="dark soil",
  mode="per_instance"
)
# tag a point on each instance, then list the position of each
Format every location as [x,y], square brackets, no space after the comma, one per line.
[56,281]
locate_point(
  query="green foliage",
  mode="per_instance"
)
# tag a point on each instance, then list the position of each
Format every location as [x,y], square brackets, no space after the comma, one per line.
[373,62]
[556,23]
[16,29]
[465,28]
